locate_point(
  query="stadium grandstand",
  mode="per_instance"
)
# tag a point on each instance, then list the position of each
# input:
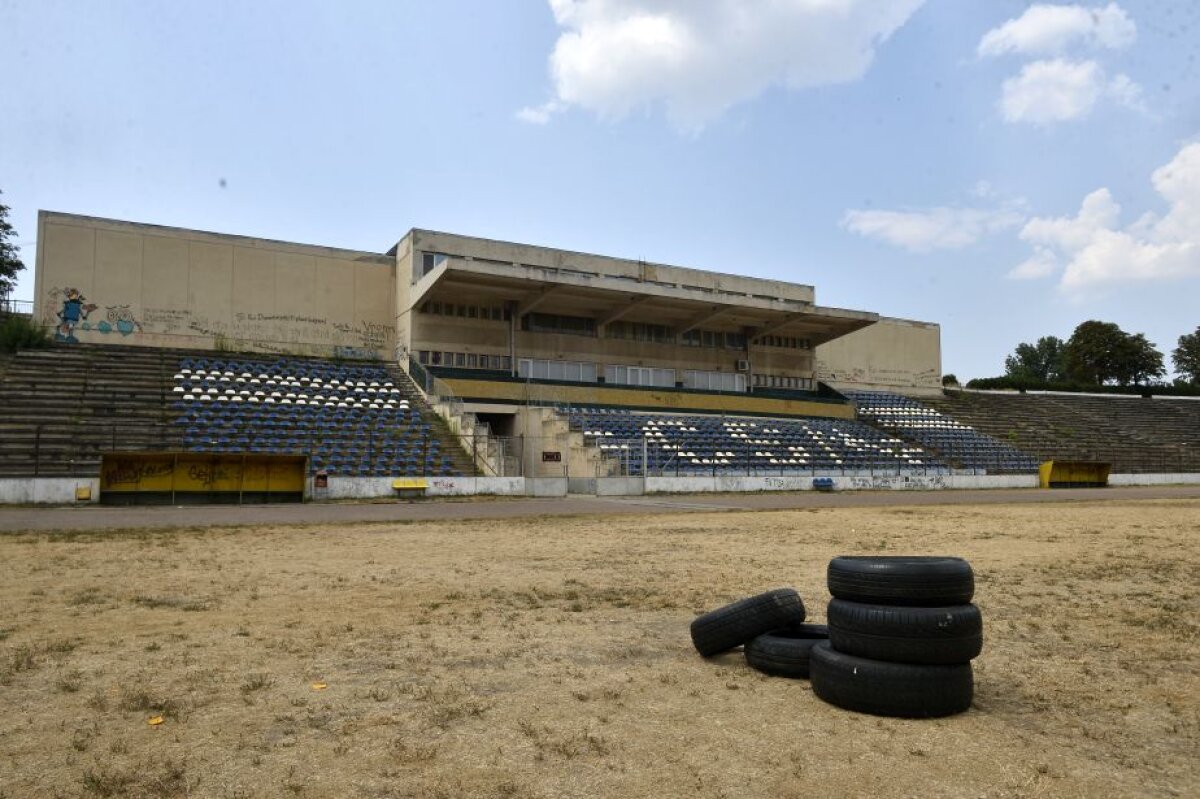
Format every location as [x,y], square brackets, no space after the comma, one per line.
[194,366]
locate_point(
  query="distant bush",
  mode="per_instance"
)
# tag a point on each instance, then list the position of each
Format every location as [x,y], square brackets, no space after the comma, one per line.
[1029,384]
[20,332]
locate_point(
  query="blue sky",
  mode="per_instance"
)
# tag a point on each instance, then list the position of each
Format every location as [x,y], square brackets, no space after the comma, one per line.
[1006,170]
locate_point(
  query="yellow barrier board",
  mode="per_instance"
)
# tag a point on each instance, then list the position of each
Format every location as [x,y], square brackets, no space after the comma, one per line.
[200,472]
[402,483]
[1073,474]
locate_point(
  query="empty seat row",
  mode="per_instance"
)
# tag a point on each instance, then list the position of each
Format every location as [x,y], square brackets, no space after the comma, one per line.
[703,444]
[948,437]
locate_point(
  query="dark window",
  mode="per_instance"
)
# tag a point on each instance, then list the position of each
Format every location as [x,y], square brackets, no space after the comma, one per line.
[557,323]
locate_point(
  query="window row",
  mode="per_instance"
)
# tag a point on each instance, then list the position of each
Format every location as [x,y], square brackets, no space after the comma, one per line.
[538,369]
[713,339]
[465,360]
[558,323]
[790,342]
[640,331]
[714,381]
[494,313]
[783,381]
[625,375]
[634,331]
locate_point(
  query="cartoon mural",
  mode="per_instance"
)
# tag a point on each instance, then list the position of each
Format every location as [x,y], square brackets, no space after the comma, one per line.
[118,319]
[75,309]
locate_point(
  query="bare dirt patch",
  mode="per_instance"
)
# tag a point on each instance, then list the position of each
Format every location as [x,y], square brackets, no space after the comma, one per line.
[550,657]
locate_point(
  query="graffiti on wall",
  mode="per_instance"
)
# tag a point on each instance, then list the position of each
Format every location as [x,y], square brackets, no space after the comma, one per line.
[75,314]
[279,333]
[915,482]
[74,311]
[70,312]
[876,375]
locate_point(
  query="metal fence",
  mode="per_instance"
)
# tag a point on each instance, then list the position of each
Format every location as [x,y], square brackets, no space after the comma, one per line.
[22,307]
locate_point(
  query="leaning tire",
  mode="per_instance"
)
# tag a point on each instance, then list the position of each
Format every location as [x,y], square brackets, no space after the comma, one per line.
[945,635]
[904,580]
[785,652]
[746,619]
[903,690]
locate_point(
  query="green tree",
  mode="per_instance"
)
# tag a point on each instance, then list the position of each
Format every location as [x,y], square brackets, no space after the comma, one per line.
[10,264]
[1041,361]
[1186,357]
[1101,352]
[1141,361]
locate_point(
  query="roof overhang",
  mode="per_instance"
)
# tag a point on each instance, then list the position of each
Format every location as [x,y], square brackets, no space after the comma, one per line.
[608,298]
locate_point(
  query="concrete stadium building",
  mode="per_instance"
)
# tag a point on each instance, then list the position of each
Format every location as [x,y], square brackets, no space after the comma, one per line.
[202,367]
[489,318]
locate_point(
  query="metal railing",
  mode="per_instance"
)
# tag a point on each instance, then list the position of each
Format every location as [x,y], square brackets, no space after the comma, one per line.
[18,307]
[476,438]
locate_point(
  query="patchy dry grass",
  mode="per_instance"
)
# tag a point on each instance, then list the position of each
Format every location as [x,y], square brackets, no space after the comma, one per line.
[550,658]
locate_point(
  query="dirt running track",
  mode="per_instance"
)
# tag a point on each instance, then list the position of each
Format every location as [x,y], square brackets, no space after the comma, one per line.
[548,657]
[98,518]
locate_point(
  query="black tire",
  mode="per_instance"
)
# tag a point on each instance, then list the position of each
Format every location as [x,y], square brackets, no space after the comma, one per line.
[945,635]
[746,619]
[784,653]
[903,690]
[903,580]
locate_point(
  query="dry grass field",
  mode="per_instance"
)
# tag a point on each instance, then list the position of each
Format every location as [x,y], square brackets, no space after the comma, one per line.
[551,658]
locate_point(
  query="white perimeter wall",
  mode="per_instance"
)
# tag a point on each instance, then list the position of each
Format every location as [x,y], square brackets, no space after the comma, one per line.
[695,485]
[45,490]
[61,490]
[1153,479]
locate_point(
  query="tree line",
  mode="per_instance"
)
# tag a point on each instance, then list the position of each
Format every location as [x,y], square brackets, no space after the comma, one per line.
[1098,354]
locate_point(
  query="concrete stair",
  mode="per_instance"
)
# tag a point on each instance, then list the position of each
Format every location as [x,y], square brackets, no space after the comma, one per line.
[1135,435]
[61,408]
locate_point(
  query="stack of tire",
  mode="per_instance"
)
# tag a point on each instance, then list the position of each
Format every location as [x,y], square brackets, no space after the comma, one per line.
[771,628]
[902,634]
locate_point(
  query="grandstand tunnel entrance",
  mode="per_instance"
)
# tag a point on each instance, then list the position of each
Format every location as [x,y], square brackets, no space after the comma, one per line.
[499,424]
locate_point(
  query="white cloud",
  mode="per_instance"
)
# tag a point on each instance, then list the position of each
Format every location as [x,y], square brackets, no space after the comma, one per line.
[1093,251]
[1060,90]
[941,228]
[1051,29]
[539,114]
[1042,263]
[700,57]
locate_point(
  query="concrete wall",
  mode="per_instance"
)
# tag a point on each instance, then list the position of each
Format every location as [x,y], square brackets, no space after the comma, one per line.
[531,255]
[733,484]
[1153,479]
[46,490]
[375,487]
[546,486]
[402,309]
[892,354]
[168,287]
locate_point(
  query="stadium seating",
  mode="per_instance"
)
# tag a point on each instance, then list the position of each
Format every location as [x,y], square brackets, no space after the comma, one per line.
[349,419]
[956,443]
[65,406]
[1133,434]
[699,445]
